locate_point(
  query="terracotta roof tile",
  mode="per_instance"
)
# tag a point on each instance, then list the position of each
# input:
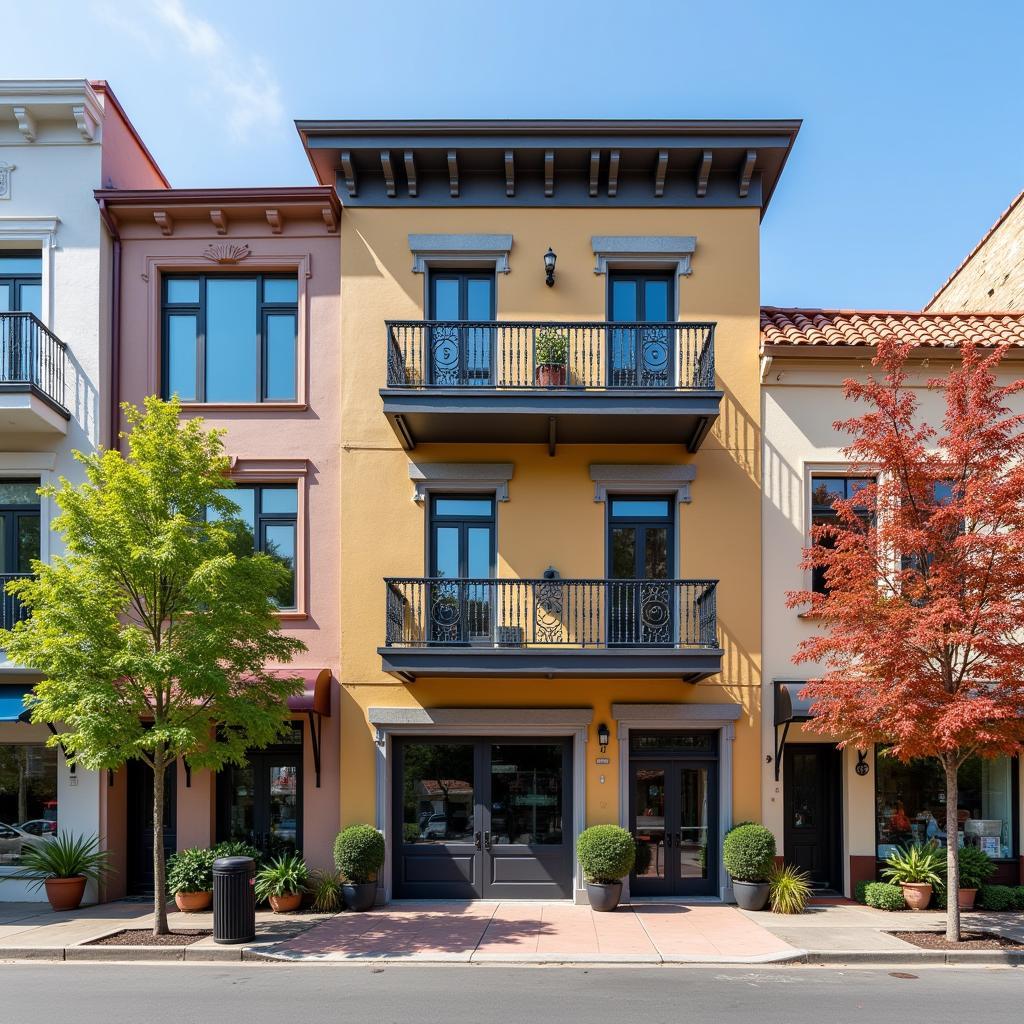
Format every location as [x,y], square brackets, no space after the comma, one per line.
[865,328]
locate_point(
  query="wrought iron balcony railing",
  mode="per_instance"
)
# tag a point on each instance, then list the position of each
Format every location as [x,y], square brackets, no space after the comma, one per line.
[11,609]
[556,613]
[33,356]
[507,355]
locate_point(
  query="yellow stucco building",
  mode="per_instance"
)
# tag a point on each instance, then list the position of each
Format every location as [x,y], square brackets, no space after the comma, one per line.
[550,494]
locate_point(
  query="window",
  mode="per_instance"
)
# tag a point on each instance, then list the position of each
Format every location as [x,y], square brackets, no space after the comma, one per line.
[461,356]
[910,804]
[825,491]
[641,357]
[271,513]
[21,282]
[28,797]
[230,337]
[19,526]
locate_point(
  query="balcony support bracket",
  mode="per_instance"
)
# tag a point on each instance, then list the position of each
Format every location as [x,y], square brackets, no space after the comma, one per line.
[552,435]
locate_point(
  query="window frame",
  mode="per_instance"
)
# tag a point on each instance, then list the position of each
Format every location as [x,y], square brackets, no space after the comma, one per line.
[198,309]
[827,473]
[17,281]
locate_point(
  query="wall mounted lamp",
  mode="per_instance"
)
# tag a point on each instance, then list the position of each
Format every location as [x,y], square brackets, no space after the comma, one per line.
[549,266]
[603,736]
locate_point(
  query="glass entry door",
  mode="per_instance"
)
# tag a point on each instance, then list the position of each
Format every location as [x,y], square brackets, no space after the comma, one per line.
[641,357]
[674,817]
[482,818]
[641,553]
[461,356]
[461,556]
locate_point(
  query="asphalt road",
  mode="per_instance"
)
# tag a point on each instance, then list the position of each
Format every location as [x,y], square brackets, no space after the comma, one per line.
[424,994]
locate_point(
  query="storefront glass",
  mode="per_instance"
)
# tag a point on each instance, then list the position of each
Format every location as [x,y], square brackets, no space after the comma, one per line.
[28,797]
[910,804]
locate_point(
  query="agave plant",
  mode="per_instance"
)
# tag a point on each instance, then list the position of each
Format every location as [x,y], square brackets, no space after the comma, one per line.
[282,877]
[917,864]
[64,856]
[790,890]
[325,888]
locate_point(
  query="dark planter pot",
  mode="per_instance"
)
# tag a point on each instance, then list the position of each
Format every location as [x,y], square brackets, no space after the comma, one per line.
[65,893]
[751,895]
[604,896]
[551,375]
[359,896]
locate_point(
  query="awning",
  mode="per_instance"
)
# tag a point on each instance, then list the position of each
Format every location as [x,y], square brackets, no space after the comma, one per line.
[789,707]
[12,702]
[315,700]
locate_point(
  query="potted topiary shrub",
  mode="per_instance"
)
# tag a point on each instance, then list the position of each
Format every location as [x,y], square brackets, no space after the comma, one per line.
[190,879]
[748,853]
[607,854]
[915,870]
[282,882]
[975,869]
[551,351]
[63,865]
[359,855]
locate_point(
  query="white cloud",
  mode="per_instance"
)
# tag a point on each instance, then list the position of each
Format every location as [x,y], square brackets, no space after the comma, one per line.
[249,92]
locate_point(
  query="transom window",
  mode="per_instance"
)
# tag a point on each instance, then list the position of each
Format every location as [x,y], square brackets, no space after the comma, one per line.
[825,492]
[21,282]
[230,337]
[271,513]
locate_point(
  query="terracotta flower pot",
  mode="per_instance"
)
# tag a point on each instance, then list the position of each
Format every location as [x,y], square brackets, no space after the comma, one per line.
[966,898]
[191,902]
[917,894]
[551,375]
[285,904]
[65,893]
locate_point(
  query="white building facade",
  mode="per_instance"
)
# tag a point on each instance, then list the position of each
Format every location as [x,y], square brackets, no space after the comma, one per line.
[59,141]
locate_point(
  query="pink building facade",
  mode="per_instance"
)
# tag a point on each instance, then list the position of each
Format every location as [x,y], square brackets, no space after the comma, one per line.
[229,299]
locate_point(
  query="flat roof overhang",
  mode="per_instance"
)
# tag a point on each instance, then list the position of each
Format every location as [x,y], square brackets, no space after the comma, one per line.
[462,415]
[689,665]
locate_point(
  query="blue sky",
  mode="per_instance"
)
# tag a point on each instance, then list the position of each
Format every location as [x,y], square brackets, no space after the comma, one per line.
[911,145]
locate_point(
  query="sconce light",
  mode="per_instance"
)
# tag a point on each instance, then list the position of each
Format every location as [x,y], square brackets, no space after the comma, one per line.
[603,736]
[549,266]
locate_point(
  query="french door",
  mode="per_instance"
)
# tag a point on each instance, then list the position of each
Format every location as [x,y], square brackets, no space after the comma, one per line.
[482,818]
[674,814]
[641,552]
[461,356]
[641,357]
[462,548]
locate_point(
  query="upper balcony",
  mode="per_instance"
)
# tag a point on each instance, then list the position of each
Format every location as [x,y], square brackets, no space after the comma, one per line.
[565,628]
[33,364]
[550,383]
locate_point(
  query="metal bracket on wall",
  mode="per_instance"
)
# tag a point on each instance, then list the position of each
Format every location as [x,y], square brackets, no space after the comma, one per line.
[316,726]
[53,729]
[780,746]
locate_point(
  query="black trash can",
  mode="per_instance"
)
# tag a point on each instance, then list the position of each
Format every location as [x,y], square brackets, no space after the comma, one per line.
[234,899]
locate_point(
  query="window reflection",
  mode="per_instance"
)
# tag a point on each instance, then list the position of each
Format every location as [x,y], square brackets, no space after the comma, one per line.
[526,793]
[437,792]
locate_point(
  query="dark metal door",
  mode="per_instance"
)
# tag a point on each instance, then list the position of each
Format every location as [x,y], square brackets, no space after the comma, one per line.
[811,805]
[482,818]
[140,824]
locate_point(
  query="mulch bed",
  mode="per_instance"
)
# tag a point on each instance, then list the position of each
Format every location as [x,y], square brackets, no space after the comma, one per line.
[145,937]
[969,940]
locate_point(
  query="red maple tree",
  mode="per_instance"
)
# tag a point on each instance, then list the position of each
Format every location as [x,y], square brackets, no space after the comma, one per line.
[921,639]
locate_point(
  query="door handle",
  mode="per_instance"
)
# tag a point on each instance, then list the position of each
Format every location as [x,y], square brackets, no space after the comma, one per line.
[487,840]
[476,840]
[668,840]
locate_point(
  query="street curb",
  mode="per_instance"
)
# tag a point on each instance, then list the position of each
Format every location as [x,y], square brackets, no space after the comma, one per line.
[32,953]
[918,956]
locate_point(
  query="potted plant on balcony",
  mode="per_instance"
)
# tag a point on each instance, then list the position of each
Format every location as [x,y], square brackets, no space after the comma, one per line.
[748,853]
[607,854]
[282,882]
[190,879]
[975,869]
[359,855]
[63,865]
[551,350]
[915,870]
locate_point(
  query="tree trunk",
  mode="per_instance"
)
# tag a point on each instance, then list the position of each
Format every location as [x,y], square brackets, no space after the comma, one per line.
[159,881]
[952,851]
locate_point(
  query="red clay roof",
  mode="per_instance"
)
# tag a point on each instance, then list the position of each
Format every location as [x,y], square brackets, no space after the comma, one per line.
[836,328]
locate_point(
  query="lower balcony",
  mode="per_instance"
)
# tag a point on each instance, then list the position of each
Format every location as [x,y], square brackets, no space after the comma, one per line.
[551,628]
[33,364]
[11,609]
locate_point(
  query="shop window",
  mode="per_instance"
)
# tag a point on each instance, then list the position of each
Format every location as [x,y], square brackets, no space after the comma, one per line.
[910,804]
[230,337]
[28,798]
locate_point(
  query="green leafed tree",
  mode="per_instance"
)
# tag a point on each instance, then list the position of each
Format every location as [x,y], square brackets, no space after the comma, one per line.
[154,629]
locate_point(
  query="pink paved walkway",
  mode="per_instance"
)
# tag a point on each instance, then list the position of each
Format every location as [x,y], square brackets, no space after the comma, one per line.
[535,932]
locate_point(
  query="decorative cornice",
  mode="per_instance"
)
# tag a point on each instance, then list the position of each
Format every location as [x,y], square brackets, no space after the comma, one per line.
[26,123]
[85,122]
[460,476]
[432,249]
[642,479]
[227,252]
[624,251]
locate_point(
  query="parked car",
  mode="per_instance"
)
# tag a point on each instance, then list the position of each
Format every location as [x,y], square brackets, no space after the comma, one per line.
[13,840]
[42,827]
